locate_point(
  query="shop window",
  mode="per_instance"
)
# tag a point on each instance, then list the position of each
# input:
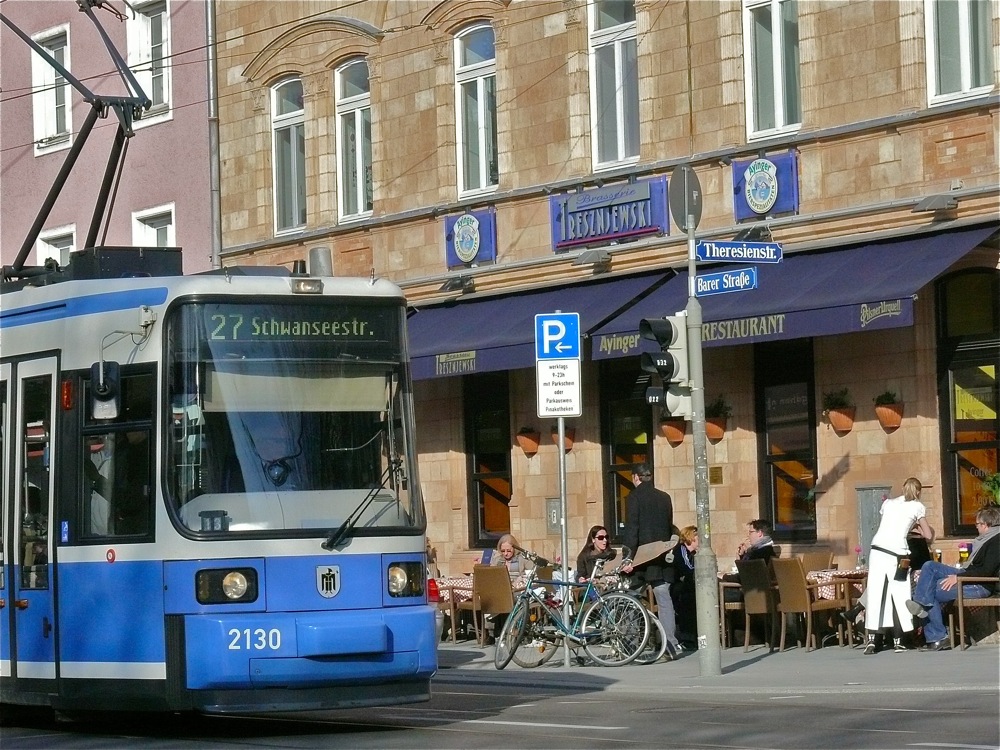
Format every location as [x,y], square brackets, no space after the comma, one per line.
[959,49]
[488,444]
[786,438]
[614,81]
[626,434]
[969,363]
[771,57]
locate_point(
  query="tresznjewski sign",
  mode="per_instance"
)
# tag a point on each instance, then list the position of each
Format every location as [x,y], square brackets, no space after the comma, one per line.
[615,212]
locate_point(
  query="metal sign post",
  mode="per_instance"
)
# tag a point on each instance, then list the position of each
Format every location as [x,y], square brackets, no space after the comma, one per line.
[685,205]
[557,370]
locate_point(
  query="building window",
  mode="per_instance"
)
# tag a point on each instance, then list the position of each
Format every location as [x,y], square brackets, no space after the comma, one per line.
[771,57]
[354,138]
[149,52]
[969,347]
[959,49]
[786,438]
[614,81]
[56,244]
[51,93]
[488,448]
[476,104]
[288,128]
[154,227]
[626,435]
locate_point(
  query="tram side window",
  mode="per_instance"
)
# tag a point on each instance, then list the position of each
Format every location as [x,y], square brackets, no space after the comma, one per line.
[34,495]
[117,461]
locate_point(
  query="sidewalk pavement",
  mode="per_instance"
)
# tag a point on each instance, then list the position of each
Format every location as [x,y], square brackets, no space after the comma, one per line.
[827,670]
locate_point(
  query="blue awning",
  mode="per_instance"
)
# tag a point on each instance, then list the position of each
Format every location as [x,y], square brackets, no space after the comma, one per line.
[498,333]
[855,288]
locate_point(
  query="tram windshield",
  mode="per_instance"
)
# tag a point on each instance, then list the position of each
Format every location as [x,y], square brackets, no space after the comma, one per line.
[288,417]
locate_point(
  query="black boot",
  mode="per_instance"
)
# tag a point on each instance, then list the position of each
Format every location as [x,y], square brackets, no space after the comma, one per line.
[851,614]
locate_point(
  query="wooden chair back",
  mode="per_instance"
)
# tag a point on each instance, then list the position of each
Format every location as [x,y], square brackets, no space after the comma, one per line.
[793,595]
[492,593]
[961,604]
[817,560]
[755,580]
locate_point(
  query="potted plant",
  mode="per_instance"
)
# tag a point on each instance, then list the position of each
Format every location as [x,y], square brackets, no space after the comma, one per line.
[888,410]
[527,438]
[570,437]
[717,413]
[839,409]
[673,429]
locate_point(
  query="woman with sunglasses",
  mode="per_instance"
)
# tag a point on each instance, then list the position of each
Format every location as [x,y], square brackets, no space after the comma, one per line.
[598,547]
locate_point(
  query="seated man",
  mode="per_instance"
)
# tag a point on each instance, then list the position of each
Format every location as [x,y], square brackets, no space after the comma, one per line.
[757,546]
[938,582]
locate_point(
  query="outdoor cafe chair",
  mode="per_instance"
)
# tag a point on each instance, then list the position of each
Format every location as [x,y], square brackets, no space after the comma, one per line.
[797,596]
[759,598]
[492,594]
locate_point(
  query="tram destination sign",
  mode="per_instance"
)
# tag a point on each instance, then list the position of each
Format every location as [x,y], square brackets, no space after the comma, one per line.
[719,251]
[738,280]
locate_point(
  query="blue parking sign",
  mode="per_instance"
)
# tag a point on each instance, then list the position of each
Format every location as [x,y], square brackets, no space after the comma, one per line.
[557,336]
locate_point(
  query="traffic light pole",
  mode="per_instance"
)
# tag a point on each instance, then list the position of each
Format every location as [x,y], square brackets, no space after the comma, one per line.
[705,562]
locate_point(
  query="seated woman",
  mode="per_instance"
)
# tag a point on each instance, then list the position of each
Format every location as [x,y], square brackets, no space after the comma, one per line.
[597,547]
[507,556]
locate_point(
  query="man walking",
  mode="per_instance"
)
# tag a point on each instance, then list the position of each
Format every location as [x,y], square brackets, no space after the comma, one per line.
[650,518]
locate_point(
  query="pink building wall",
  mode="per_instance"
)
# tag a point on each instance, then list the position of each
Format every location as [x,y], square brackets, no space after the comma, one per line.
[167,161]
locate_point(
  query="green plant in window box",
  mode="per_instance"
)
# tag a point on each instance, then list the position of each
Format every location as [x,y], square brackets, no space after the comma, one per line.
[717,412]
[888,410]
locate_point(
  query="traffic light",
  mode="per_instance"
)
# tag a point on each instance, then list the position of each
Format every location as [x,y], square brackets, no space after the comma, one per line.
[670,363]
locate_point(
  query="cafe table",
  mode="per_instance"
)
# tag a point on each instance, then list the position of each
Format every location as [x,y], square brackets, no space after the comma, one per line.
[832,578]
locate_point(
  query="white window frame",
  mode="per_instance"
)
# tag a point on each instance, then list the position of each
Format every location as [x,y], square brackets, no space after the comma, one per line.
[966,52]
[52,243]
[354,165]
[779,74]
[48,90]
[139,33]
[295,123]
[145,230]
[477,74]
[617,38]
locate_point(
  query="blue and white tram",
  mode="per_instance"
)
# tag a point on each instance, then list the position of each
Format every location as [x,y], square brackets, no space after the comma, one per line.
[210,493]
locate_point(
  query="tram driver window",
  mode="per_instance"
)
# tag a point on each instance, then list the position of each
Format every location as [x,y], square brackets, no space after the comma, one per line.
[118,498]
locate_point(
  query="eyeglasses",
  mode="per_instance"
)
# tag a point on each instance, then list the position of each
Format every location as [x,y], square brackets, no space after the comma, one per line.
[602,537]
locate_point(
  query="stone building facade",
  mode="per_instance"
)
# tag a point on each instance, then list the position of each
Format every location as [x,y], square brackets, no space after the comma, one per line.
[378,128]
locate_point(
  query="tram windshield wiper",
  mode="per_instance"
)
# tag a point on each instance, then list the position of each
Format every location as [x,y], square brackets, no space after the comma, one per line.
[347,527]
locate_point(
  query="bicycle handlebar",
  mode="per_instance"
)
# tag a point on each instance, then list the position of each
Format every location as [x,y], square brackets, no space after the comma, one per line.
[539,561]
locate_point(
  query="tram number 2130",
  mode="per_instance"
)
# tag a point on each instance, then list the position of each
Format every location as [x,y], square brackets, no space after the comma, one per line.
[256,639]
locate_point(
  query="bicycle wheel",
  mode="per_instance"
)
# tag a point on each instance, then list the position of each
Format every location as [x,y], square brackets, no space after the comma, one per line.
[511,634]
[615,630]
[540,640]
[656,646]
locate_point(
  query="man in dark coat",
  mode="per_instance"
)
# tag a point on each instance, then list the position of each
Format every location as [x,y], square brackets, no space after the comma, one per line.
[650,518]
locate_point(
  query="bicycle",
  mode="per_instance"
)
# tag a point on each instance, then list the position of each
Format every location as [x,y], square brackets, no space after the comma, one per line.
[612,628]
[656,645]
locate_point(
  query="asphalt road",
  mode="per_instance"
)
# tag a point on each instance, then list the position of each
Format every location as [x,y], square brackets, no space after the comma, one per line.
[498,714]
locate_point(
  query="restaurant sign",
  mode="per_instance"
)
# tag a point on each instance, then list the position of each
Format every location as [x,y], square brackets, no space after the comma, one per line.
[471,238]
[616,212]
[766,186]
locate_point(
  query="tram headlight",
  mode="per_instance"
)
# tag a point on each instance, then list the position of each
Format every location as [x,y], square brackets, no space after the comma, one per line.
[226,585]
[234,584]
[405,579]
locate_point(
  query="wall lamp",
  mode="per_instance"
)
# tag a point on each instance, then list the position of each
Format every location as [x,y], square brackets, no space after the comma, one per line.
[461,284]
[599,258]
[756,233]
[936,203]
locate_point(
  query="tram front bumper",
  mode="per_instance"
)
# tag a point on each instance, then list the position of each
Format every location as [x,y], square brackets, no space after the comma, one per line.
[299,650]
